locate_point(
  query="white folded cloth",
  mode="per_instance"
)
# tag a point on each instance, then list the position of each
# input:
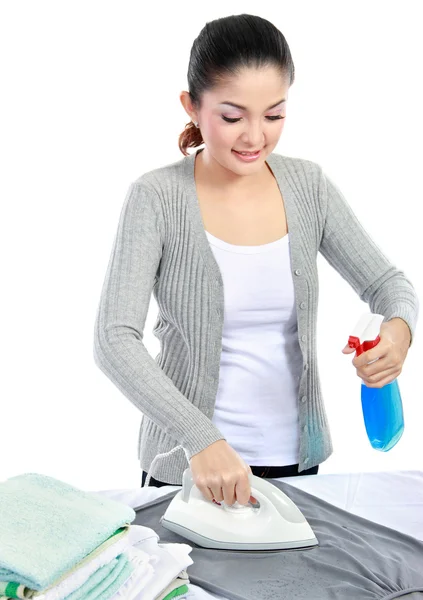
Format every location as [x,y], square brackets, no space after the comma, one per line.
[140,578]
[170,560]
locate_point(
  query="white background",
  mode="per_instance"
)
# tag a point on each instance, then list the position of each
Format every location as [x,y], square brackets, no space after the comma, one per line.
[89,102]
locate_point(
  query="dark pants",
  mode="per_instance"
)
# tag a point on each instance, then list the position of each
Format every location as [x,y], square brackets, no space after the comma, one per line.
[265,472]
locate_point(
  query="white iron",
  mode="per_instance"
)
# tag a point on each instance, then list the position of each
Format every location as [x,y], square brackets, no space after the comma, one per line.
[273,523]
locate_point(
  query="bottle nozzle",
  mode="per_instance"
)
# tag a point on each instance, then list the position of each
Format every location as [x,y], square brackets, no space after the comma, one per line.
[366,333]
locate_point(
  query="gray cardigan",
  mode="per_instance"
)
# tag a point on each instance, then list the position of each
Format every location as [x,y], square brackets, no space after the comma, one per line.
[161,247]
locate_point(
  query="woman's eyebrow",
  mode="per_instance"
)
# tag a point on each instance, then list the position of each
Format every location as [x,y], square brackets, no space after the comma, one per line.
[245,108]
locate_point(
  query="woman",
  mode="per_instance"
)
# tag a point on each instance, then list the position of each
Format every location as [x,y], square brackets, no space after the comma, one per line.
[228,245]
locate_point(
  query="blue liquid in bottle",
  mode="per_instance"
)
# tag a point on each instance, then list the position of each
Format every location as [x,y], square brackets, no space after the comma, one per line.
[383,415]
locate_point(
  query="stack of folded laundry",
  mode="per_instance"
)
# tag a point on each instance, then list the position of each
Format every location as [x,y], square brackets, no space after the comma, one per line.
[60,543]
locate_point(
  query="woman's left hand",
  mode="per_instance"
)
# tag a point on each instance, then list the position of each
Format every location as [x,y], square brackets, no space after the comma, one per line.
[391,351]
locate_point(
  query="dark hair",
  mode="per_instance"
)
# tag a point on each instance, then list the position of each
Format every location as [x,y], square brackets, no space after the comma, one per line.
[224,47]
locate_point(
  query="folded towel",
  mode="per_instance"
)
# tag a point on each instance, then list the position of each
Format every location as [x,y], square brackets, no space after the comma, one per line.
[140,561]
[136,534]
[105,581]
[141,578]
[38,511]
[14,590]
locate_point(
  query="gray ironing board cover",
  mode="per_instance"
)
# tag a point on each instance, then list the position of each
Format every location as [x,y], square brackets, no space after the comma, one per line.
[356,559]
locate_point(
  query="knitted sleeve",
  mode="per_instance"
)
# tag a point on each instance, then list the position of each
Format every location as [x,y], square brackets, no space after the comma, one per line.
[118,338]
[348,248]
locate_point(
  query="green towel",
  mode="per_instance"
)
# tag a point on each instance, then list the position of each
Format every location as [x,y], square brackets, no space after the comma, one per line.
[183,589]
[47,527]
[14,590]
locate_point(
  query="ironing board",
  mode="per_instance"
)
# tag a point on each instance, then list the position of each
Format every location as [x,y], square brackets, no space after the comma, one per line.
[393,499]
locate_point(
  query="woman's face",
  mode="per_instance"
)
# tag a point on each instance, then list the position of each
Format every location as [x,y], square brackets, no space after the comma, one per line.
[256,126]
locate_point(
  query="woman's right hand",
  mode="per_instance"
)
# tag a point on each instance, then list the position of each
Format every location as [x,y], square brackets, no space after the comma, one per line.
[220,473]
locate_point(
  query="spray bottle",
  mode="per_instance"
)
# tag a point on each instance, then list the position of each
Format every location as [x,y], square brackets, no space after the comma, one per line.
[382,407]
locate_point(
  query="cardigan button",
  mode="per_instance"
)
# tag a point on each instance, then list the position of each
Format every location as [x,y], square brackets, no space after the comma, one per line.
[304,399]
[297,271]
[302,305]
[303,337]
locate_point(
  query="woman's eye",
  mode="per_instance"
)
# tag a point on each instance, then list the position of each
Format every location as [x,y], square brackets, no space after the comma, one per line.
[228,120]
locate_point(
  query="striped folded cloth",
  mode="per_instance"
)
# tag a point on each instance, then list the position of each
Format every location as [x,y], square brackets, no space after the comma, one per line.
[102,585]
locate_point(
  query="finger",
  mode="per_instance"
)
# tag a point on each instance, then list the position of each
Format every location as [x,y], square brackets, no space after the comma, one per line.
[378,352]
[208,493]
[243,491]
[204,489]
[382,383]
[228,490]
[363,361]
[376,375]
[382,378]
[217,492]
[250,471]
[383,364]
[381,351]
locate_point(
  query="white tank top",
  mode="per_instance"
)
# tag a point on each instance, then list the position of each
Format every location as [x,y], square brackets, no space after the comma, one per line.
[256,404]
